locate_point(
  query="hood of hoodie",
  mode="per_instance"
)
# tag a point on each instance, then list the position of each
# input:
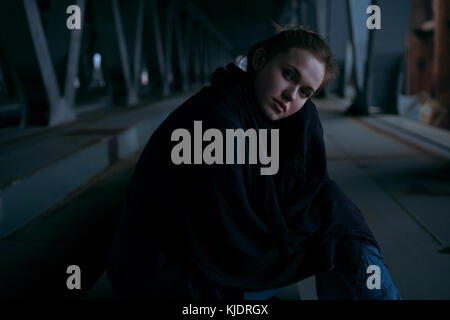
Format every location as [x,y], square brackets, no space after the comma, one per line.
[235,87]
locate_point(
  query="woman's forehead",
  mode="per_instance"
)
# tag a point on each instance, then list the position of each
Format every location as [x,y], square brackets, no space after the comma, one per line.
[295,55]
[306,63]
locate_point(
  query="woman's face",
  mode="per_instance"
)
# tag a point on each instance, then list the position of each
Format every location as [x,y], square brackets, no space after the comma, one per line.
[283,85]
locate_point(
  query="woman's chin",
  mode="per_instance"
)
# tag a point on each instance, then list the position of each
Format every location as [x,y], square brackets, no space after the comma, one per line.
[271,116]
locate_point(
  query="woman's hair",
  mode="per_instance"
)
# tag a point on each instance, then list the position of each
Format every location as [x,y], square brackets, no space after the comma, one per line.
[295,36]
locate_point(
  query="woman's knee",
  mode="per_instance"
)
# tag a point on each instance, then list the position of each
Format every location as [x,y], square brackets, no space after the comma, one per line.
[368,279]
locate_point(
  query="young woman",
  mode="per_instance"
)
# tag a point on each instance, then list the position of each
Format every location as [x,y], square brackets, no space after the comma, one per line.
[196,229]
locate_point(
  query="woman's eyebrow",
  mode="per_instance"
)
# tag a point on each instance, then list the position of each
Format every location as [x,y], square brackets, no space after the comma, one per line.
[299,75]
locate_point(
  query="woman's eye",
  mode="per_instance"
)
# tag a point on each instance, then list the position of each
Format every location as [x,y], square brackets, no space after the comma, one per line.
[304,94]
[287,74]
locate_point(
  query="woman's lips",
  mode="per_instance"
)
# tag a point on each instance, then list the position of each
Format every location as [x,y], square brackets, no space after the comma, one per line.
[281,107]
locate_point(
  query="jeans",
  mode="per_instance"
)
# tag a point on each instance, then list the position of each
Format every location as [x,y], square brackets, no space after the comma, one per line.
[335,285]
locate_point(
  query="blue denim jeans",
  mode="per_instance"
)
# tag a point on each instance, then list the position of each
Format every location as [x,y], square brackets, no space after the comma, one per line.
[334,285]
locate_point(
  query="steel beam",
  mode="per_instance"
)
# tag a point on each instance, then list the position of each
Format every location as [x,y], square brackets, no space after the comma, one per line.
[164,53]
[168,79]
[208,25]
[359,35]
[203,57]
[181,53]
[13,89]
[131,83]
[214,55]
[60,111]
[73,59]
[387,52]
[337,38]
[197,42]
[121,46]
[304,13]
[137,62]
[158,42]
[321,16]
[188,37]
[206,57]
[65,47]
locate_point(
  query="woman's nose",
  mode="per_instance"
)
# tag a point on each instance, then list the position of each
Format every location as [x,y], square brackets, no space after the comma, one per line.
[289,94]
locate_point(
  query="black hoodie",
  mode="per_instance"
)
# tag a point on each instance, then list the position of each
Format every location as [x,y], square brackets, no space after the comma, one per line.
[198,231]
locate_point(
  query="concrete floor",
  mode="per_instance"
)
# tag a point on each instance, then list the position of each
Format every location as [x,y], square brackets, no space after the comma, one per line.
[403,190]
[395,170]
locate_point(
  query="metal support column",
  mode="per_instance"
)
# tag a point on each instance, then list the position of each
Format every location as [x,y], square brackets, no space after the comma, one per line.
[168,79]
[386,56]
[187,41]
[158,43]
[60,110]
[131,82]
[360,40]
[181,52]
[73,59]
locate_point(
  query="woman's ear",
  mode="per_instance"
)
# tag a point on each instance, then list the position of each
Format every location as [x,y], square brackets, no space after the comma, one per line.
[259,59]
